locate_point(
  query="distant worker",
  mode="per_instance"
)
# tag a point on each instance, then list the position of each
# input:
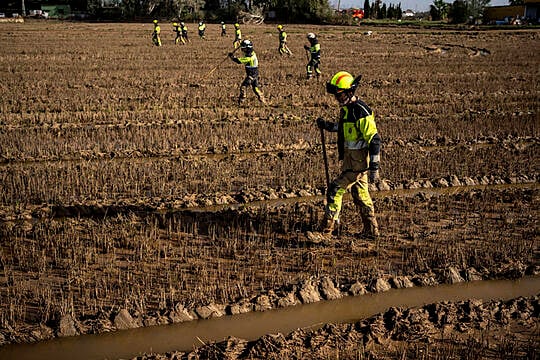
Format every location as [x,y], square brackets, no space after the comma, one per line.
[252,71]
[237,36]
[314,50]
[202,28]
[223,29]
[359,147]
[283,48]
[178,31]
[183,28]
[155,34]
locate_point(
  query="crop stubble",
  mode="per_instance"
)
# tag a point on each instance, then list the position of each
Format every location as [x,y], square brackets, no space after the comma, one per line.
[104,141]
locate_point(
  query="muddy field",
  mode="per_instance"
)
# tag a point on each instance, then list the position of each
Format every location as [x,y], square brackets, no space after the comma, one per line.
[134,191]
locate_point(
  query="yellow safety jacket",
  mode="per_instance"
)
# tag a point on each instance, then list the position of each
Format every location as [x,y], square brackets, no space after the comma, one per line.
[282,37]
[356,129]
[251,62]
[315,51]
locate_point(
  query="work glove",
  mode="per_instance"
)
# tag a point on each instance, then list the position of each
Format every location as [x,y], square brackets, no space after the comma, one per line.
[321,123]
[373,172]
[231,55]
[306,47]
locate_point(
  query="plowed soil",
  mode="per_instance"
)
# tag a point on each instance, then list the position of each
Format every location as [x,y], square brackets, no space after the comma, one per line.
[130,179]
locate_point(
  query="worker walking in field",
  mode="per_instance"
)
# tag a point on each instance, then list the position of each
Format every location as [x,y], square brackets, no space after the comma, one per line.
[202,29]
[178,31]
[237,36]
[283,48]
[314,50]
[223,29]
[252,71]
[359,150]
[184,30]
[155,34]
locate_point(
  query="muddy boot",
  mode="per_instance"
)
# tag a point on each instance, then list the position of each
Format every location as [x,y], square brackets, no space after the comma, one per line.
[371,228]
[260,95]
[328,226]
[242,96]
[324,235]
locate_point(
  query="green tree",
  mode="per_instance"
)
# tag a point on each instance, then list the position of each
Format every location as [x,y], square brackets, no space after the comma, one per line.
[382,13]
[375,9]
[434,13]
[439,10]
[367,9]
[390,12]
[475,8]
[457,13]
[297,10]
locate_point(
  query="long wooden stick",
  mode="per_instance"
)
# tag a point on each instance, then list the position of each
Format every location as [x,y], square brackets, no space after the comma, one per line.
[218,65]
[325,158]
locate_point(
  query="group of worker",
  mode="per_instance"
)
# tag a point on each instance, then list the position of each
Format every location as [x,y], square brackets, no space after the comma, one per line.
[314,48]
[181,31]
[358,140]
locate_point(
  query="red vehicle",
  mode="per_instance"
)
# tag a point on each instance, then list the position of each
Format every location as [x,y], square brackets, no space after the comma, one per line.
[358,14]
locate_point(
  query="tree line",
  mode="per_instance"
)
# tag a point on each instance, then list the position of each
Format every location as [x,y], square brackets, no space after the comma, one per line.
[458,12]
[290,11]
[294,11]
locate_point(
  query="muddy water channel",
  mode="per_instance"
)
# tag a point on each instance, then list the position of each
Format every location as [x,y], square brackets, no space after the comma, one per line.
[250,326]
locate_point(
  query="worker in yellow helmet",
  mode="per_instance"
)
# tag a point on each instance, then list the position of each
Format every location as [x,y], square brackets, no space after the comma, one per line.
[223,29]
[202,29]
[183,28]
[314,50]
[155,34]
[237,36]
[359,147]
[283,48]
[252,71]
[178,31]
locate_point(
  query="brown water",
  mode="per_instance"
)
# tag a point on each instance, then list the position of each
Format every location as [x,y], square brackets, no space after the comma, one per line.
[250,326]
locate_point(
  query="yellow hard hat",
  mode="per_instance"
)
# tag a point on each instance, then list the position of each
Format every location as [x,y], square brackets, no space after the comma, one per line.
[280,27]
[237,25]
[342,81]
[155,21]
[174,24]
